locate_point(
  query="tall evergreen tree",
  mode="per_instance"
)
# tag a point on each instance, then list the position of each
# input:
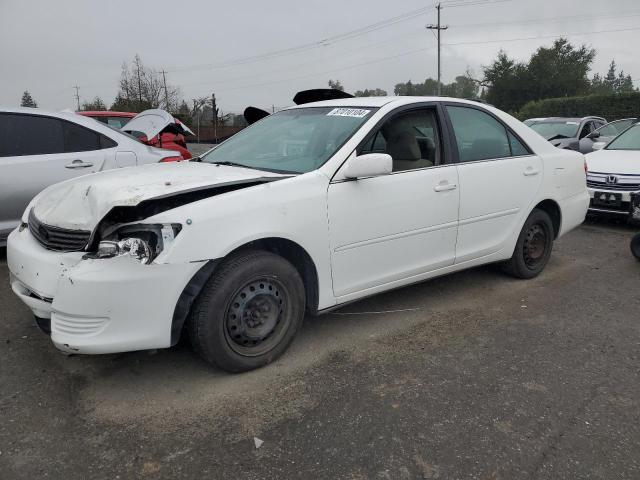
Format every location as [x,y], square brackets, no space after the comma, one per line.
[27,100]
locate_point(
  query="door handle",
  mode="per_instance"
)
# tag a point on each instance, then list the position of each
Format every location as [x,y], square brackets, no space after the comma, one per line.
[443,187]
[78,164]
[530,171]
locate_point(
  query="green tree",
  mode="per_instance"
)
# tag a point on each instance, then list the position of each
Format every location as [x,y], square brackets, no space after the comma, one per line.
[27,100]
[506,80]
[557,71]
[374,92]
[560,71]
[95,105]
[463,87]
[611,83]
[336,85]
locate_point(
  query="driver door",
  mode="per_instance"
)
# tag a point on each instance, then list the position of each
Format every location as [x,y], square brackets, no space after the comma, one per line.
[389,230]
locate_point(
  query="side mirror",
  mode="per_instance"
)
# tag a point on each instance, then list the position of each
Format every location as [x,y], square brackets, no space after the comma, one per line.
[368,165]
[598,145]
[594,135]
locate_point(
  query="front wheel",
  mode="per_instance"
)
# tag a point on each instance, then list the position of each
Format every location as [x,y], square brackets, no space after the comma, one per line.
[533,247]
[635,246]
[248,312]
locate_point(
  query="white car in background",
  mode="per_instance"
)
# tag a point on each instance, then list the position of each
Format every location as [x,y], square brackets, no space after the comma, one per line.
[613,176]
[378,193]
[40,148]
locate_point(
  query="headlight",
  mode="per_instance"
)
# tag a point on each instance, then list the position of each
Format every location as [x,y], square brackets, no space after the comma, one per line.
[142,242]
[133,247]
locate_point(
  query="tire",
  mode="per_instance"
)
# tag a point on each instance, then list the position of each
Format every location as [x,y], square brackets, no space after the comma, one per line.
[533,247]
[248,311]
[635,246]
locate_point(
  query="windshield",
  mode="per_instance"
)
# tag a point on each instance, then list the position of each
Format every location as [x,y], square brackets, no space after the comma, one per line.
[550,129]
[292,141]
[628,140]
[614,128]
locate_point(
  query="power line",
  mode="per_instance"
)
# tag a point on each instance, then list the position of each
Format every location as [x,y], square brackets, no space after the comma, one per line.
[332,39]
[316,44]
[555,35]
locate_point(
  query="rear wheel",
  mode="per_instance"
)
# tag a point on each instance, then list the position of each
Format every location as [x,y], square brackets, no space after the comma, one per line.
[248,312]
[635,246]
[533,247]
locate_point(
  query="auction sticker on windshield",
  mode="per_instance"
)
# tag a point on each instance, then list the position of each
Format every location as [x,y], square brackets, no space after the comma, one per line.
[348,112]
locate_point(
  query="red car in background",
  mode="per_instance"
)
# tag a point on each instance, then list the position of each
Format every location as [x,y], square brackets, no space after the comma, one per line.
[155,127]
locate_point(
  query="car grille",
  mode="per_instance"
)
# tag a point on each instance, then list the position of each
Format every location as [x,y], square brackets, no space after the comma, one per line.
[56,238]
[625,183]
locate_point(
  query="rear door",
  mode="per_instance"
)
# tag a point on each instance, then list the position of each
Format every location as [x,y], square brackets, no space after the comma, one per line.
[499,178]
[37,151]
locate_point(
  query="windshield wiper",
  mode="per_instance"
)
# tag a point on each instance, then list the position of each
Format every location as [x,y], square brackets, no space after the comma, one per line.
[556,137]
[232,164]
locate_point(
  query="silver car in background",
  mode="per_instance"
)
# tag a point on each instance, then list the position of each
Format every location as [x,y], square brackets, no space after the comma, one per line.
[40,148]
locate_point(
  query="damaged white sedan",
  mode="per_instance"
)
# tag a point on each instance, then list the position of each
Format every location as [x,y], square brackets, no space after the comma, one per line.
[306,210]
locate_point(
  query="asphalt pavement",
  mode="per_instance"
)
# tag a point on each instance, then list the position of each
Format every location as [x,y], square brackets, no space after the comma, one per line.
[473,375]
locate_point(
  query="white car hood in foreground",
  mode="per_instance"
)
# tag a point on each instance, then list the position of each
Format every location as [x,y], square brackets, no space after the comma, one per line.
[626,162]
[152,122]
[81,203]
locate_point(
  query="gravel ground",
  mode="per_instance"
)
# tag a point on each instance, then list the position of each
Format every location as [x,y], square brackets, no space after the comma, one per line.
[477,376]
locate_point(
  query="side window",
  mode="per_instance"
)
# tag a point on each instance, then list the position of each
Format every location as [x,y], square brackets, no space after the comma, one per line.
[517,149]
[106,142]
[479,136]
[80,139]
[29,135]
[411,138]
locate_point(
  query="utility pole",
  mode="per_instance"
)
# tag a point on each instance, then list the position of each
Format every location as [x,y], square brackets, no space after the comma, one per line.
[214,116]
[439,28]
[77,96]
[166,95]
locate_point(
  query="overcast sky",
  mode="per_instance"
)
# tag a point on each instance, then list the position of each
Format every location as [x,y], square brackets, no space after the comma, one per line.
[49,46]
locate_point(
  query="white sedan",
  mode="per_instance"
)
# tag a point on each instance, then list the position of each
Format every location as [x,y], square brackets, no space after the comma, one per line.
[306,210]
[613,176]
[40,148]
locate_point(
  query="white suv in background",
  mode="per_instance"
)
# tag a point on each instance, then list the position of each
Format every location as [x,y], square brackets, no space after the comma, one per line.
[40,148]
[376,193]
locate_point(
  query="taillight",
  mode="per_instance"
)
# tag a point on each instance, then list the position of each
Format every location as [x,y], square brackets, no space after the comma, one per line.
[171,159]
[585,166]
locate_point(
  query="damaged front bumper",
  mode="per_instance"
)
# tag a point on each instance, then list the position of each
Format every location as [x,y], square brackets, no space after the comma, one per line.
[97,305]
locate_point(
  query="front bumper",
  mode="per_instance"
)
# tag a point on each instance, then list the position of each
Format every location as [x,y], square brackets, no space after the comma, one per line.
[97,306]
[622,210]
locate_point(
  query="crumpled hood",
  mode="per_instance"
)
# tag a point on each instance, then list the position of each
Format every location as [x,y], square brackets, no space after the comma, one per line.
[82,202]
[614,161]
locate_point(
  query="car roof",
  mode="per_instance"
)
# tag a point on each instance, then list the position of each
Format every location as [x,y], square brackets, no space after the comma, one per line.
[376,102]
[106,113]
[69,115]
[567,119]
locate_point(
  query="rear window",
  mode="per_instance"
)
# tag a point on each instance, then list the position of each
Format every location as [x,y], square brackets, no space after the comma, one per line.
[80,139]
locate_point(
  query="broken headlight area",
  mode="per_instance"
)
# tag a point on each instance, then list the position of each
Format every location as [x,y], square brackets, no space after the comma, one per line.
[140,242]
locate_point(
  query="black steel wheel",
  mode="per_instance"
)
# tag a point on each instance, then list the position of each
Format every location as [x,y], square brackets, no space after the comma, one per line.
[255,320]
[248,312]
[635,246]
[533,247]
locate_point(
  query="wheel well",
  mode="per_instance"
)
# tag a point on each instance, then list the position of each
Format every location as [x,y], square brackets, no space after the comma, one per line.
[298,257]
[553,210]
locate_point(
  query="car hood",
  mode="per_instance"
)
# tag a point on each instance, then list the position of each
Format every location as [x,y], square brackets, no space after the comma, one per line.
[614,161]
[81,203]
[152,122]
